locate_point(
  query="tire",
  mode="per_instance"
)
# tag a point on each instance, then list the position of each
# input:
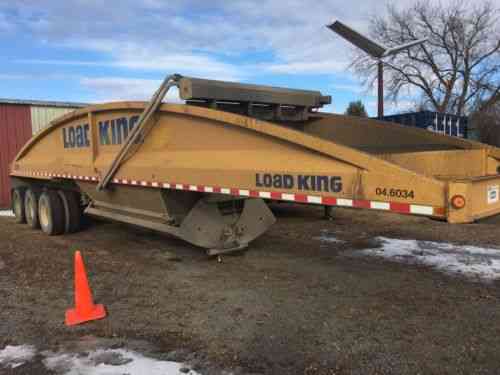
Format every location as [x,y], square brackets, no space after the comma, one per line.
[51,213]
[18,205]
[72,211]
[31,208]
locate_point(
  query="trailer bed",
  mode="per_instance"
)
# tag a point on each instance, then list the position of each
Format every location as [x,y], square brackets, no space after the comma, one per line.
[215,158]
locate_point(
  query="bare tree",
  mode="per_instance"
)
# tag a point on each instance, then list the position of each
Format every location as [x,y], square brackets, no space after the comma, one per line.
[486,124]
[455,70]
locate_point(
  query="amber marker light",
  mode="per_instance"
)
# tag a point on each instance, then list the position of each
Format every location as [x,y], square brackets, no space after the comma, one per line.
[458,201]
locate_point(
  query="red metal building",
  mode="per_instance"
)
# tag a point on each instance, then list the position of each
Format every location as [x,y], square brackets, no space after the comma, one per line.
[19,120]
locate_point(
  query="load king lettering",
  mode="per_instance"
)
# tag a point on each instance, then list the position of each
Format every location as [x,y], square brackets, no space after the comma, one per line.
[329,184]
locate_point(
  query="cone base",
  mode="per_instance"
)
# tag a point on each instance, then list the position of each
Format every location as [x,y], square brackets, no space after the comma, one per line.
[74,317]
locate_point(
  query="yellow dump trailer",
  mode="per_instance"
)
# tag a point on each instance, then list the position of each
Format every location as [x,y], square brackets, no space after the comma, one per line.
[202,170]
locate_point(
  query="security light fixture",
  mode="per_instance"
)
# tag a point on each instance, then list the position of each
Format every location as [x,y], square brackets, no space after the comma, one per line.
[375,50]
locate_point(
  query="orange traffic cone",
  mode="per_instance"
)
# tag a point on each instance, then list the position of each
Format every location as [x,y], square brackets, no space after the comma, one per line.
[84,310]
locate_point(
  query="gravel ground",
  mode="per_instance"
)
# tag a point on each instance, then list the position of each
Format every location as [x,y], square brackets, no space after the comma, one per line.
[291,304]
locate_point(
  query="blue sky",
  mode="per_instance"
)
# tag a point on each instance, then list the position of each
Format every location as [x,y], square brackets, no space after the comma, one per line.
[95,51]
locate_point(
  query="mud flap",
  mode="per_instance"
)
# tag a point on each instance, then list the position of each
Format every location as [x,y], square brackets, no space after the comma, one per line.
[206,226]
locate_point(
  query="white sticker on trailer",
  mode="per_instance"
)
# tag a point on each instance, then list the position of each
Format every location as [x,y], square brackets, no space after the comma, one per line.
[493,192]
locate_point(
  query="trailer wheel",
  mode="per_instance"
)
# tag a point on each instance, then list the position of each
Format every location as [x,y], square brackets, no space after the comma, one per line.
[18,205]
[31,208]
[51,213]
[72,210]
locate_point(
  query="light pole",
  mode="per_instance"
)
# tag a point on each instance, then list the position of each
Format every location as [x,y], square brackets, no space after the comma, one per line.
[380,67]
[375,50]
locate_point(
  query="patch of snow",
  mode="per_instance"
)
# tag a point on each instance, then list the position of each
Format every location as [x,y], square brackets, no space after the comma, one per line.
[14,356]
[470,261]
[327,237]
[95,362]
[6,213]
[111,362]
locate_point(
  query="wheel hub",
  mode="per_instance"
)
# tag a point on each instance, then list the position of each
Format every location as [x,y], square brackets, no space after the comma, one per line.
[44,213]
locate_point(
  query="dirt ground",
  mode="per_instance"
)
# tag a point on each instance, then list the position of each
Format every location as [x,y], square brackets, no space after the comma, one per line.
[291,304]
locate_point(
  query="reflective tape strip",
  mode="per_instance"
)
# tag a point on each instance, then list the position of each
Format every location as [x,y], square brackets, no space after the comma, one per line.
[421,210]
[300,198]
[380,205]
[313,199]
[344,202]
[265,194]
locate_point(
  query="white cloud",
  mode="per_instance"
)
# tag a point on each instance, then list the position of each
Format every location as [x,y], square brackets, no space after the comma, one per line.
[329,108]
[14,77]
[62,62]
[390,107]
[143,59]
[183,63]
[307,67]
[155,35]
[108,89]
[356,89]
[401,106]
[220,39]
[5,25]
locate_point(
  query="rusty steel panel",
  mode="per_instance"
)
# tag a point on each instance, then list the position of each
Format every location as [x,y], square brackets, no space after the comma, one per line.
[41,116]
[15,130]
